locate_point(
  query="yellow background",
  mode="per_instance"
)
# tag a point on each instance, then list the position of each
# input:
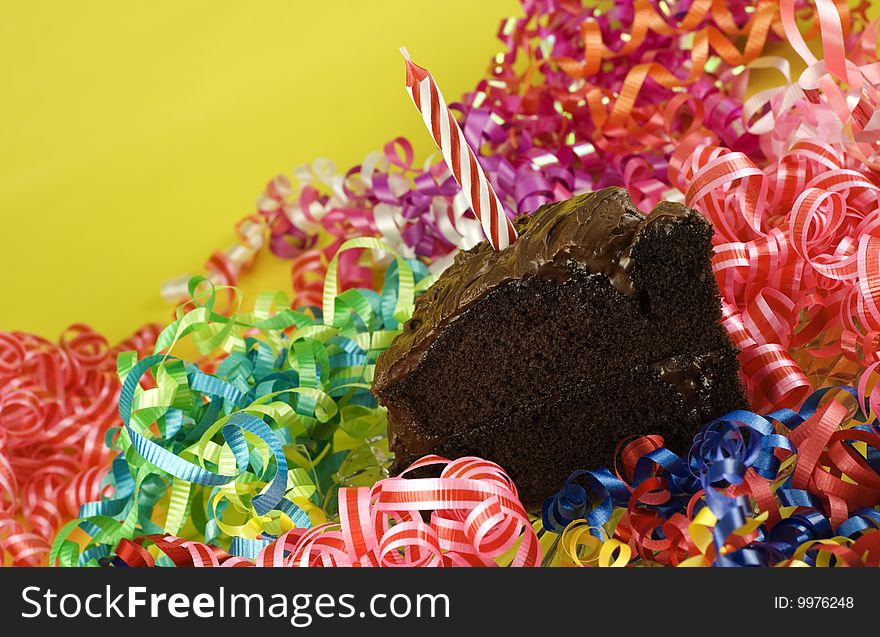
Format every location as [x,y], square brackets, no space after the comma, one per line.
[133,135]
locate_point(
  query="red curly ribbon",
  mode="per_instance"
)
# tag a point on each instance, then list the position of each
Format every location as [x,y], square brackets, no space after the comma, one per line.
[476,519]
[57,403]
[795,258]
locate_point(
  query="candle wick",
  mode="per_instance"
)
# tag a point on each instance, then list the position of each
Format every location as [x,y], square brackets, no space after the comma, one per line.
[405,53]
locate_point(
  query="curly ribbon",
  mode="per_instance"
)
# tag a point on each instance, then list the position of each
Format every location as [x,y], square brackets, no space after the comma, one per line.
[620,87]
[57,402]
[226,266]
[782,489]
[274,432]
[786,488]
[797,252]
[257,441]
[476,519]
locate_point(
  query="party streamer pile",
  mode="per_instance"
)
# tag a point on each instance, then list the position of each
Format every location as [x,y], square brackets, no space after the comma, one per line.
[269,449]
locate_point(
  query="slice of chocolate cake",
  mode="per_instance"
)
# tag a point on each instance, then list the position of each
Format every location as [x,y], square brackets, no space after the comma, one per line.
[599,323]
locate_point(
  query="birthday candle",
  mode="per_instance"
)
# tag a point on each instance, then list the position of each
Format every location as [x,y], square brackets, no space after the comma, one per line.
[458,155]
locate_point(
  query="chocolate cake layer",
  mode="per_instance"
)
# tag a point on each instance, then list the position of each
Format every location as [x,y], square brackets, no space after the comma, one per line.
[598,323]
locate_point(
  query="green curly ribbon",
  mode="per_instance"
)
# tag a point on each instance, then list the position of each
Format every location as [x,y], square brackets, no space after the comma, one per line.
[238,456]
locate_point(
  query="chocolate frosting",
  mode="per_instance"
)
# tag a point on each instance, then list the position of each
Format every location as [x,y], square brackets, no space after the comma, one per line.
[596,231]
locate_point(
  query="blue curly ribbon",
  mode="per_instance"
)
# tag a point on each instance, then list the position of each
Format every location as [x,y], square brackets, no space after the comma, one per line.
[721,453]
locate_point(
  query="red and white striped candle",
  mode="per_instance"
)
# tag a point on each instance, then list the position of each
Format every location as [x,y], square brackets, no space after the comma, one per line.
[458,155]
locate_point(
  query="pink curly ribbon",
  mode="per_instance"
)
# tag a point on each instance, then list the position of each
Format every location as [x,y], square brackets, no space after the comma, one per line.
[795,259]
[475,519]
[57,403]
[797,246]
